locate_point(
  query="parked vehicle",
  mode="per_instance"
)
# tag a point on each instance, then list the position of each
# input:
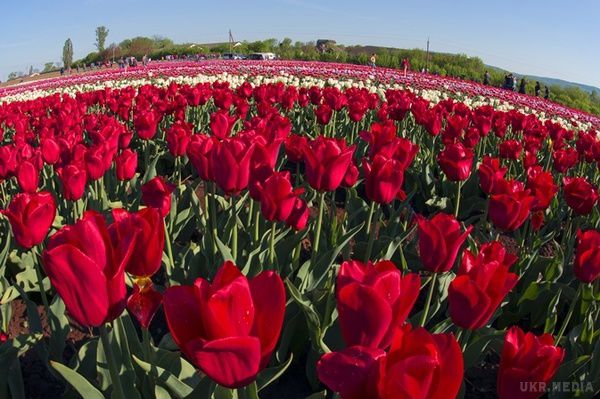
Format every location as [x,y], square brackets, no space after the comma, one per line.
[233,56]
[262,56]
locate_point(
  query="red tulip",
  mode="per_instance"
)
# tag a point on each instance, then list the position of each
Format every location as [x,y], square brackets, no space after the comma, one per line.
[146,255]
[418,365]
[294,147]
[126,164]
[456,162]
[440,239]
[178,137]
[323,113]
[278,197]
[87,269]
[74,179]
[542,187]
[354,372]
[510,149]
[221,124]
[480,285]
[372,300]
[156,193]
[351,176]
[50,151]
[30,217]
[509,210]
[422,365]
[564,159]
[299,215]
[490,173]
[327,161]
[383,179]
[198,151]
[587,256]
[144,302]
[146,123]
[526,358]
[28,177]
[230,163]
[228,328]
[580,195]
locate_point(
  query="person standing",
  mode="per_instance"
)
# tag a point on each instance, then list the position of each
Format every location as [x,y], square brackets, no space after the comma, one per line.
[486,78]
[405,66]
[537,89]
[373,60]
[546,92]
[522,86]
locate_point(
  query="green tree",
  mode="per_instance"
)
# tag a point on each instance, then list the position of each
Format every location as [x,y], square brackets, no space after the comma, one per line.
[101,35]
[67,56]
[48,66]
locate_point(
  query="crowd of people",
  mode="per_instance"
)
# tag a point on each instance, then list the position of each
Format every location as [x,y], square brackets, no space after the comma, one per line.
[511,81]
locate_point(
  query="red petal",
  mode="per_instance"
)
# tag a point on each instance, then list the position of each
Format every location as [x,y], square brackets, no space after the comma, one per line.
[232,362]
[364,316]
[79,282]
[268,294]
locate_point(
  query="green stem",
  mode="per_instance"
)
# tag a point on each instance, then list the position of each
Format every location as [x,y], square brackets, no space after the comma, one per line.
[370,217]
[256,224]
[318,227]
[569,315]
[460,183]
[428,301]
[40,280]
[272,245]
[213,214]
[234,232]
[372,231]
[112,366]
[169,249]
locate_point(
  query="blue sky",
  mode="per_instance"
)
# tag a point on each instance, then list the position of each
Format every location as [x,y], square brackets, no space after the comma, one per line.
[549,38]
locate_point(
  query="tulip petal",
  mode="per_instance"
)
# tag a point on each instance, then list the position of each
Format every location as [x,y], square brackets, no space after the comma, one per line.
[353,372]
[144,304]
[183,314]
[449,373]
[268,294]
[79,282]
[232,362]
[364,315]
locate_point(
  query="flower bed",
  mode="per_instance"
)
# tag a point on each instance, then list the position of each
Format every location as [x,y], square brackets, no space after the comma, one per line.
[370,234]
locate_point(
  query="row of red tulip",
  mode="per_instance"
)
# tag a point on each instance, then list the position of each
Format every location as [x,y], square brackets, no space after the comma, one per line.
[93,148]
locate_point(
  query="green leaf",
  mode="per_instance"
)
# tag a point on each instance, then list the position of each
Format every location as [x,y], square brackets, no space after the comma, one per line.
[127,372]
[552,316]
[81,385]
[177,387]
[312,317]
[204,389]
[60,328]
[224,393]
[267,376]
[224,250]
[318,273]
[161,393]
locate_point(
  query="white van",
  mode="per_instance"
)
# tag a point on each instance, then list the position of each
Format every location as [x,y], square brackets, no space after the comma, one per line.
[262,56]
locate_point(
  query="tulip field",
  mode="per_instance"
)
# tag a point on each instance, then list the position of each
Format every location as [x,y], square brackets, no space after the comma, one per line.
[241,229]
